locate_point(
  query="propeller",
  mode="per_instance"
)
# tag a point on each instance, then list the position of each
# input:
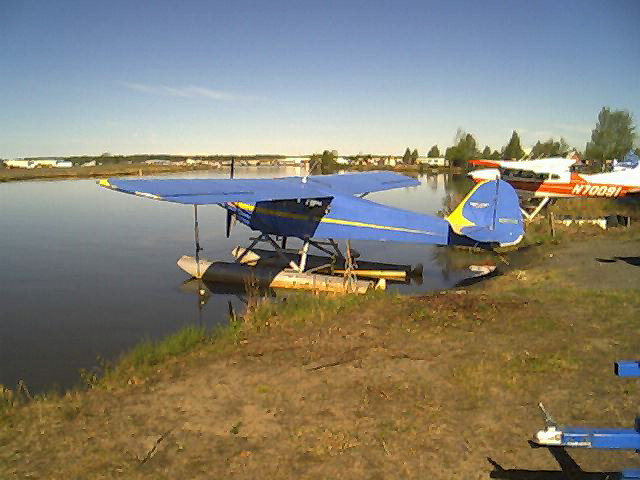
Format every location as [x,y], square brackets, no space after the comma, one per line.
[230,216]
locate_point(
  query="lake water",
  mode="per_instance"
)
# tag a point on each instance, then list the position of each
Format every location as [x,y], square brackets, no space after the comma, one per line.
[86,271]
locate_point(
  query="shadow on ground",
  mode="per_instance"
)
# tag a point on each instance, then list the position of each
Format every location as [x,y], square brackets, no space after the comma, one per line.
[569,469]
[635,261]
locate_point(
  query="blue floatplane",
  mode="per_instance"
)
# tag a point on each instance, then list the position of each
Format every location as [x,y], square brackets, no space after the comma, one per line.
[322,209]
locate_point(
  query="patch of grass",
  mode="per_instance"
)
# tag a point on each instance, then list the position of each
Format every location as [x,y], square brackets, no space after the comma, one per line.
[137,364]
[596,207]
[556,362]
[262,389]
[302,308]
[474,379]
[150,352]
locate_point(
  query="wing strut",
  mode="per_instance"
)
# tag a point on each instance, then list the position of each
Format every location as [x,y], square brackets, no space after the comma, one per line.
[230,216]
[196,234]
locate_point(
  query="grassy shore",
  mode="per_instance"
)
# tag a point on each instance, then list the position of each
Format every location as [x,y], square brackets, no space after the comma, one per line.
[18,174]
[443,385]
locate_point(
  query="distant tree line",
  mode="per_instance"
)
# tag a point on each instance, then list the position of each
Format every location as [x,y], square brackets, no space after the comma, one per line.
[109,159]
[613,136]
[550,148]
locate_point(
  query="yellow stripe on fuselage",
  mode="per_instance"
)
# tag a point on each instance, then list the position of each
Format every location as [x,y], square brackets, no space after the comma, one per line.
[336,221]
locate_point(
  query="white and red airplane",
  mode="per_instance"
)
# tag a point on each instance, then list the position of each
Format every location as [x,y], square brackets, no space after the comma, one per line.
[553,178]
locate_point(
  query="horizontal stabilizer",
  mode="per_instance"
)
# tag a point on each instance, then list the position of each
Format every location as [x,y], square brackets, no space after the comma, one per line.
[489,215]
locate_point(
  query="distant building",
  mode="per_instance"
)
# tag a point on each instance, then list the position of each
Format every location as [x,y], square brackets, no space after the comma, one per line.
[293,160]
[157,161]
[46,162]
[37,163]
[19,163]
[433,162]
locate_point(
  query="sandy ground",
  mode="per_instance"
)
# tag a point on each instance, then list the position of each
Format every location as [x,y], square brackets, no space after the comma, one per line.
[443,386]
[598,263]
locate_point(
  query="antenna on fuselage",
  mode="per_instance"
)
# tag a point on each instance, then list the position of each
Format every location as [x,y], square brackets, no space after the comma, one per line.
[312,165]
[495,205]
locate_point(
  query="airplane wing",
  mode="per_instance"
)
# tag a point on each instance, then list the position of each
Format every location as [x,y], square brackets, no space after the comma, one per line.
[542,165]
[217,190]
[223,190]
[485,163]
[363,182]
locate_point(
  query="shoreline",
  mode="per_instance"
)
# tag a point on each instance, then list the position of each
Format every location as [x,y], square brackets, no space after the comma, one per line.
[317,385]
[17,174]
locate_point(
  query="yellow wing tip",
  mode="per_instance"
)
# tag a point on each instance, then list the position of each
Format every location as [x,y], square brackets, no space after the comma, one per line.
[103,182]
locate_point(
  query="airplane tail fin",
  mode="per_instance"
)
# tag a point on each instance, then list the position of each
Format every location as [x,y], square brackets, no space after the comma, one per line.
[489,216]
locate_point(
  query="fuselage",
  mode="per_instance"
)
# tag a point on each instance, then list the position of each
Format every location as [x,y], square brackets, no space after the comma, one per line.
[338,217]
[565,183]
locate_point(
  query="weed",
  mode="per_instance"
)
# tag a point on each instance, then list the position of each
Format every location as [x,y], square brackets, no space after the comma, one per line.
[151,352]
[148,353]
[235,428]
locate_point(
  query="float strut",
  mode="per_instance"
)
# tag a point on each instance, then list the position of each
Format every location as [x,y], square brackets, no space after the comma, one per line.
[536,210]
[303,256]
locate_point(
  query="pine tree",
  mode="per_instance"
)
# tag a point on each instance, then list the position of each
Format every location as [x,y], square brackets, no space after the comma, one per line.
[464,150]
[513,150]
[406,158]
[613,136]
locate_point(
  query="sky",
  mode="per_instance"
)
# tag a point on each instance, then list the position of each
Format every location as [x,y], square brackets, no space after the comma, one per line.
[201,76]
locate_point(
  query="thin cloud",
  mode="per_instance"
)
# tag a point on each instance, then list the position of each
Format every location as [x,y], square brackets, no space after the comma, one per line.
[573,127]
[190,91]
